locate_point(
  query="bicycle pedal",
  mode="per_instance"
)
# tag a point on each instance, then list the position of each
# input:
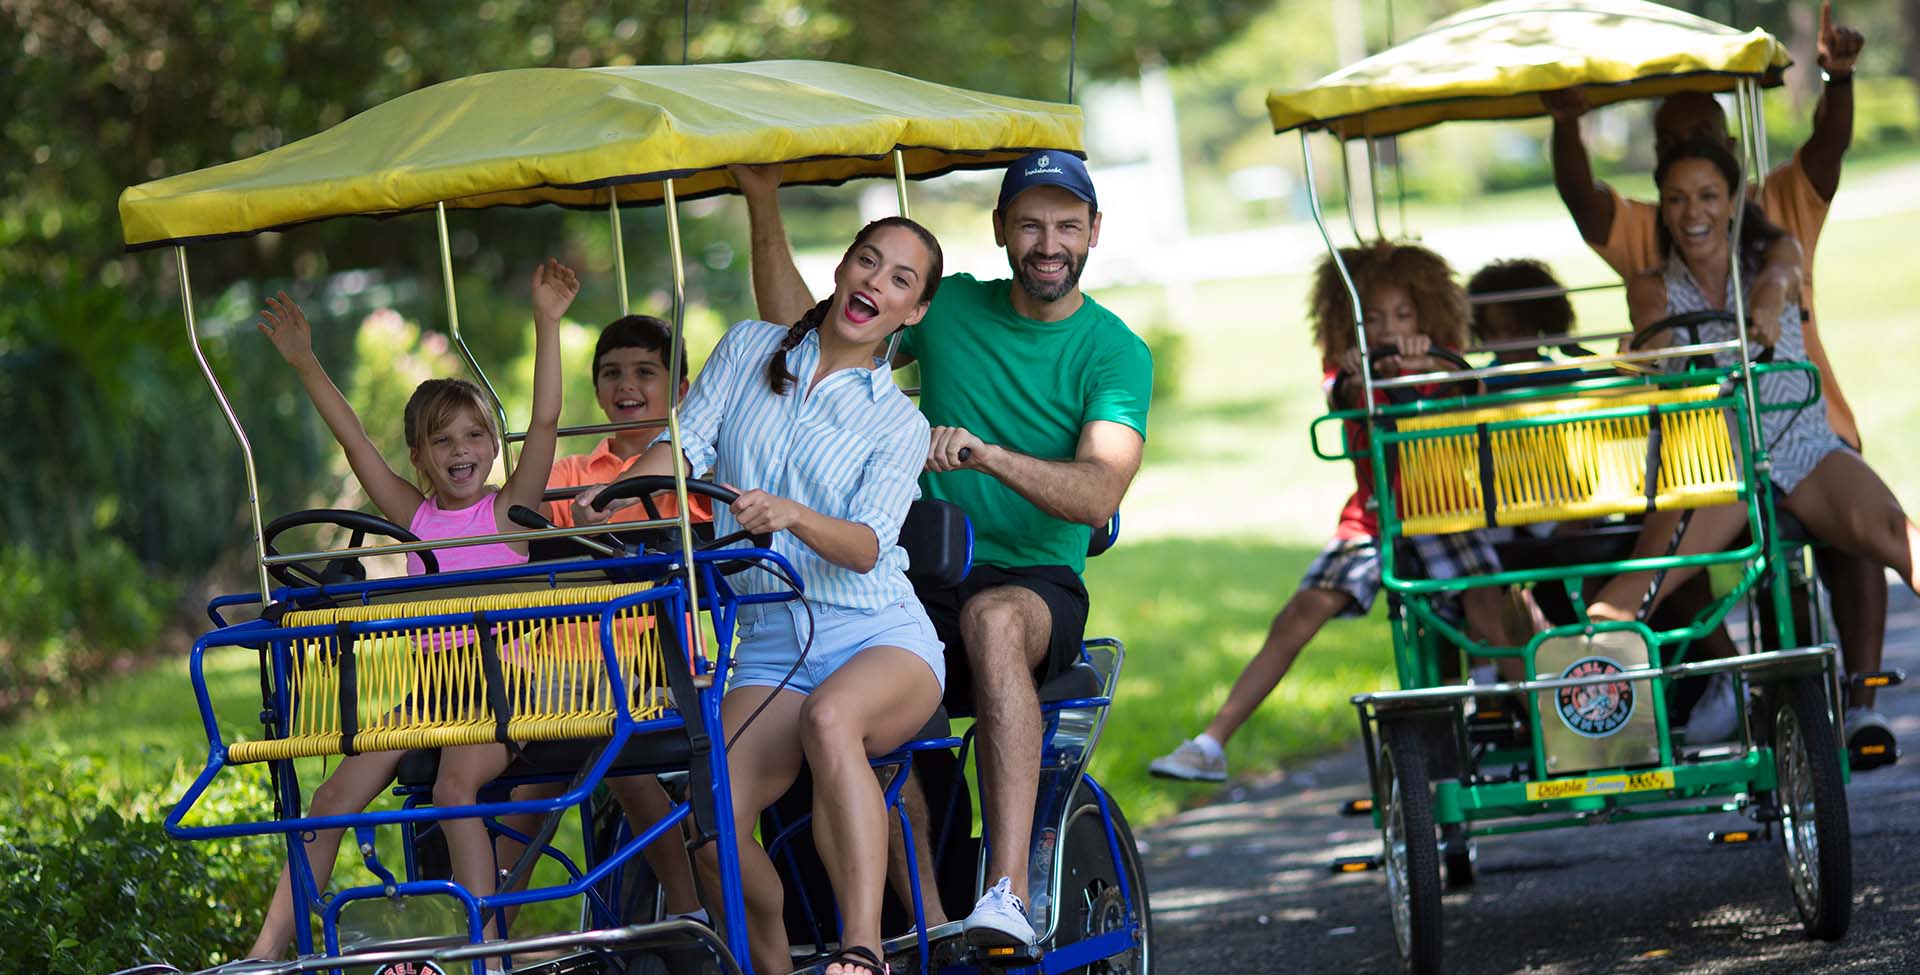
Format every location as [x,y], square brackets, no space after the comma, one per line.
[1004,956]
[1877,679]
[1733,837]
[1355,864]
[1357,807]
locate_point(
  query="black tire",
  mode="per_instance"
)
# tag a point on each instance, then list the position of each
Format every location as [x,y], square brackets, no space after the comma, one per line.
[1456,856]
[1813,808]
[1091,899]
[1411,858]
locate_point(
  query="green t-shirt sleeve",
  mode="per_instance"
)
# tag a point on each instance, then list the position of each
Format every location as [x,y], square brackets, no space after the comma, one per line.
[1120,384]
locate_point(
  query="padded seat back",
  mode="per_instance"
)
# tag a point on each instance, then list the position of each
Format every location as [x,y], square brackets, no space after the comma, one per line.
[939,543]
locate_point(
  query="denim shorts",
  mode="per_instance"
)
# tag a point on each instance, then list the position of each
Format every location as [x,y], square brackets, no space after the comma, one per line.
[768,638]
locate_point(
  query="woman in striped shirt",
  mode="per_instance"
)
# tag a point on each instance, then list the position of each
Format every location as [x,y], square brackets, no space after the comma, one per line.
[810,420]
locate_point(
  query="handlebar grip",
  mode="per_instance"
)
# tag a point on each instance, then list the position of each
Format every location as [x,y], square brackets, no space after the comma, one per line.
[526,517]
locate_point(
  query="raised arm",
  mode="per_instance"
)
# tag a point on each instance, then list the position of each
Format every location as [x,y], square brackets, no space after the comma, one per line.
[1833,117]
[1085,490]
[285,325]
[779,293]
[554,287]
[1588,201]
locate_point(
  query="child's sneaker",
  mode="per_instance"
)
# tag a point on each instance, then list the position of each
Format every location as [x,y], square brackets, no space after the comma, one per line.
[999,919]
[1716,716]
[1191,762]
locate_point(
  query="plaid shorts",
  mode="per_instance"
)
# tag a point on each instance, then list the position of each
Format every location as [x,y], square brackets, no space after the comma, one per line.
[1352,566]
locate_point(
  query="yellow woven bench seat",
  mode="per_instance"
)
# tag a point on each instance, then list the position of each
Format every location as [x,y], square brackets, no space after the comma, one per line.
[1574,467]
[427,686]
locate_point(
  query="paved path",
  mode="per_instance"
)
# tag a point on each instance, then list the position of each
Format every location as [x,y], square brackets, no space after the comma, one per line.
[1242,884]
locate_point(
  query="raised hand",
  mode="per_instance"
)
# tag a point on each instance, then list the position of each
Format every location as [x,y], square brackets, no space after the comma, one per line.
[285,325]
[554,288]
[757,181]
[1839,45]
[1566,104]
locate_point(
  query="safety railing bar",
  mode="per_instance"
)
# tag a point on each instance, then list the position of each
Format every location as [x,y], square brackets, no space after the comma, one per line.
[1522,368]
[593,428]
[401,548]
[1693,669]
[1550,340]
[1546,291]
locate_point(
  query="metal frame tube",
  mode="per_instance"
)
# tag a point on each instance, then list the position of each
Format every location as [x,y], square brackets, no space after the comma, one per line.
[1353,294]
[1373,178]
[684,518]
[619,248]
[233,421]
[1346,184]
[460,342]
[1746,94]
[900,186]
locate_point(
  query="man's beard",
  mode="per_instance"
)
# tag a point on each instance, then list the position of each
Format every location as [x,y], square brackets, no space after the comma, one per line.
[1042,291]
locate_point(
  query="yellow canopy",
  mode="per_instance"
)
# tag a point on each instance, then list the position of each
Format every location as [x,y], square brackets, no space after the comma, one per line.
[571,136]
[1492,62]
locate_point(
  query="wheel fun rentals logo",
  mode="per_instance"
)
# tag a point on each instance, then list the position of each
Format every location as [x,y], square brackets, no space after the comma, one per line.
[409,968]
[1595,710]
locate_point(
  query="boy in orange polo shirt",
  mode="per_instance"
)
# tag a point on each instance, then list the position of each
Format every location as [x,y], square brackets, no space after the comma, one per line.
[630,382]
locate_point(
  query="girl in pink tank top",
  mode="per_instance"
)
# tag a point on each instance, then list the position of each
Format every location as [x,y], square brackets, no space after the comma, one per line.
[453,443]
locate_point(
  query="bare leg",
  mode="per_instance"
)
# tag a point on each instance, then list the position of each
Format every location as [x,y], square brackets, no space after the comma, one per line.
[1710,530]
[464,769]
[914,800]
[646,803]
[354,784]
[868,707]
[1845,504]
[761,767]
[1006,630]
[1858,587]
[1292,627]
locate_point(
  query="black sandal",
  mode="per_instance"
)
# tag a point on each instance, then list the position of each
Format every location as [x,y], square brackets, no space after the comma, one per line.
[859,957]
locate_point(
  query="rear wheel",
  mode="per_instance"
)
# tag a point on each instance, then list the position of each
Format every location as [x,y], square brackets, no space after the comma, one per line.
[1092,900]
[1813,808]
[1412,848]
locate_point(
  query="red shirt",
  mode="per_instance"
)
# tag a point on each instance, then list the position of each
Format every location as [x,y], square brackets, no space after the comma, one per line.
[1359,517]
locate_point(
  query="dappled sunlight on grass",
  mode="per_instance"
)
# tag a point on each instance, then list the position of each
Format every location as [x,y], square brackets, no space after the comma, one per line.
[1191,618]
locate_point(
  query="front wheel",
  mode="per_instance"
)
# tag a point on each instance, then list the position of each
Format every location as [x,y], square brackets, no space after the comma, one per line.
[1813,808]
[1412,848]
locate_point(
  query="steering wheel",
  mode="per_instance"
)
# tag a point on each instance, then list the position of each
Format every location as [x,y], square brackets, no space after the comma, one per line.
[1407,394]
[1691,321]
[644,486]
[346,568]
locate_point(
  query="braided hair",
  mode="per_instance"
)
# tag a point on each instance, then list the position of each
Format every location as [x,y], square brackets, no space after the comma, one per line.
[779,377]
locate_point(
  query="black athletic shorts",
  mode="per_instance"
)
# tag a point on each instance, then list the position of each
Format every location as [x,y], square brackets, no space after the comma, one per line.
[1056,585]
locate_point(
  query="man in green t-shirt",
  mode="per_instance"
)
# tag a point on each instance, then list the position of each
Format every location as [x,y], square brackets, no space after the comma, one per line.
[1038,399]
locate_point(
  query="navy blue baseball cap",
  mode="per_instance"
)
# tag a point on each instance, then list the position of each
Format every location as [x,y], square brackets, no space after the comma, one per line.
[1051,167]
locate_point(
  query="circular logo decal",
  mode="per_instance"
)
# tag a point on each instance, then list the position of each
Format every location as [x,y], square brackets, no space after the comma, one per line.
[1595,710]
[409,968]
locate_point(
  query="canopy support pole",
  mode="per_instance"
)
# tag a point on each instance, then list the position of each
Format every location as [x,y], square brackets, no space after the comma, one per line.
[1745,97]
[900,186]
[233,421]
[460,342]
[1346,184]
[1373,188]
[1333,252]
[619,249]
[697,642]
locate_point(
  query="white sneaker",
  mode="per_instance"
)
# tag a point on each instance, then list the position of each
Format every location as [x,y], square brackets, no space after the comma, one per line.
[1190,762]
[1717,714]
[999,919]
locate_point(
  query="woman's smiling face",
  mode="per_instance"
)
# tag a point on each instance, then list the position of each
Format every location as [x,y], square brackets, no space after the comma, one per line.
[1696,207]
[878,285]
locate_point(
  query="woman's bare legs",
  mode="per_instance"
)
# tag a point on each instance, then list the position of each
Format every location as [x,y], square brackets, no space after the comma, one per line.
[761,767]
[1709,530]
[868,707]
[1296,623]
[464,769]
[354,784]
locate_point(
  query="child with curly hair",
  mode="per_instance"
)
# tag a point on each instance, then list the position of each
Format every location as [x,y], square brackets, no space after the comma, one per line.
[1413,307]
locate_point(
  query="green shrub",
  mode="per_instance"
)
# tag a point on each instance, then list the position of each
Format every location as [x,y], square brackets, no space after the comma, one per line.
[90,882]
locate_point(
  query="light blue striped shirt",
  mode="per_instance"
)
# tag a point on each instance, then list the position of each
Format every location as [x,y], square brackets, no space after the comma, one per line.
[851,448]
